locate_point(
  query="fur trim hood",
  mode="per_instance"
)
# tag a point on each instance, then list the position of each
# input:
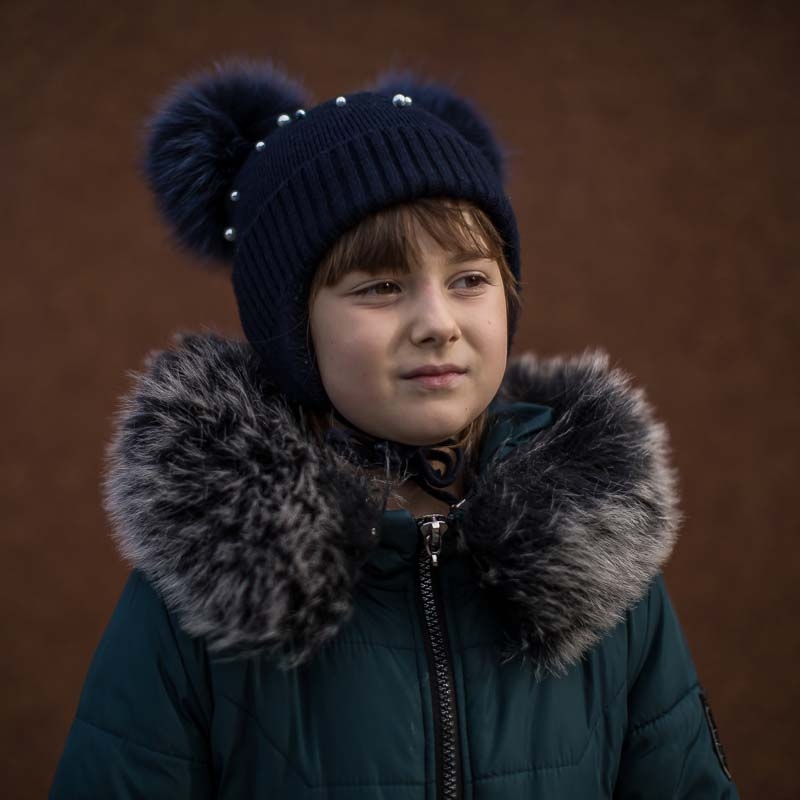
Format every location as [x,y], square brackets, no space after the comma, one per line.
[255,535]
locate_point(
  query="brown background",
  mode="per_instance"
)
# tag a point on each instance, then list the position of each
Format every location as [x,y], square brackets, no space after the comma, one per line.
[655,176]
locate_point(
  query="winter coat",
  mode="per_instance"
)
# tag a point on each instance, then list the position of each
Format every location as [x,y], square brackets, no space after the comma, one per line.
[282,636]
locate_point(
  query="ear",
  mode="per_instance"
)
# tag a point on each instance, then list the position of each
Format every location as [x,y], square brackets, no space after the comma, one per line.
[199,138]
[453,109]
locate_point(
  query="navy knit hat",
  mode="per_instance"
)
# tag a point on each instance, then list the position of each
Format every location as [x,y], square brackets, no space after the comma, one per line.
[245,171]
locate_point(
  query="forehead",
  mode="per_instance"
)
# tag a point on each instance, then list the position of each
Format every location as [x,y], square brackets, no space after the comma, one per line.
[453,245]
[414,245]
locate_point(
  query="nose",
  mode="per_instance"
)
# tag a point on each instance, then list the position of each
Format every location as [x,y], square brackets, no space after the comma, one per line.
[433,319]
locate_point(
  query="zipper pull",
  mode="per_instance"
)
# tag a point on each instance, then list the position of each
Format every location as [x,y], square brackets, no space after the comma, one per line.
[456,509]
[433,527]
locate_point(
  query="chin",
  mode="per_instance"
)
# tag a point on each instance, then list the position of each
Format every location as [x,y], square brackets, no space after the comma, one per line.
[429,431]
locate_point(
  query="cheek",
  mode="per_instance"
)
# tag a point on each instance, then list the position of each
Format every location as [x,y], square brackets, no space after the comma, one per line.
[496,330]
[336,356]
[347,355]
[495,344]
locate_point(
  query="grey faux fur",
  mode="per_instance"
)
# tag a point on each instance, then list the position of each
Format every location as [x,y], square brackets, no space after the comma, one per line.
[254,535]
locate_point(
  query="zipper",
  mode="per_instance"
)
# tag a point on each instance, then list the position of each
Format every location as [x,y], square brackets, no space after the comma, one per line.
[445,721]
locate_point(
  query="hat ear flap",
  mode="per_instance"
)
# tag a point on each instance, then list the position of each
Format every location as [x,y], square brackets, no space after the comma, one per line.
[457,111]
[200,137]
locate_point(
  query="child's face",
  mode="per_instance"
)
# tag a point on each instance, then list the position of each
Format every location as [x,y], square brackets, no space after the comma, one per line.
[371,330]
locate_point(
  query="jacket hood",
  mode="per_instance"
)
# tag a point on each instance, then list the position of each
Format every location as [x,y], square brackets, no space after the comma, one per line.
[255,535]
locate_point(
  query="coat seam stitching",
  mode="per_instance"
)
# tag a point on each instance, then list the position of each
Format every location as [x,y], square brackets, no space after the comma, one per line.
[688,750]
[267,738]
[115,735]
[548,767]
[639,727]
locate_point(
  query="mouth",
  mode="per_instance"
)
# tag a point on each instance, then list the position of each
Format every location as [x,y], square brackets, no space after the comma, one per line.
[438,377]
[432,370]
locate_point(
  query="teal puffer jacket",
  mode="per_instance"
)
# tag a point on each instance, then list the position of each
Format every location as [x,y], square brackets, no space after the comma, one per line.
[283,636]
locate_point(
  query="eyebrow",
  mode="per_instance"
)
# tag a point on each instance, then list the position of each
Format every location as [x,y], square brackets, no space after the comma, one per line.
[467,255]
[455,258]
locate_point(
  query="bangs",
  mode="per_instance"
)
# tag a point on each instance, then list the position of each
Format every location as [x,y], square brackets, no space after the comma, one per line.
[387,239]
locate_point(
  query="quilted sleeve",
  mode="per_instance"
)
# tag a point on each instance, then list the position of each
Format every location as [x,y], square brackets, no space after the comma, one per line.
[671,749]
[139,730]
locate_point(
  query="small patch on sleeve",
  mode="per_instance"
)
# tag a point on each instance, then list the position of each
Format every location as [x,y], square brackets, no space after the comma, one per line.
[712,727]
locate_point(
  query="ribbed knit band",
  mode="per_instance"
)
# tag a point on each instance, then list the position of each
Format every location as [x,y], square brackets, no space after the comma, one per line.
[317,177]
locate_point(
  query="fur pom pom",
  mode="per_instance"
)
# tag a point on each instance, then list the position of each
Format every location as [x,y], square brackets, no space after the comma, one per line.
[199,139]
[444,103]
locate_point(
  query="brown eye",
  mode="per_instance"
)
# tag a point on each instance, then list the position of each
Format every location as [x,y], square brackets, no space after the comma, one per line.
[383,288]
[473,281]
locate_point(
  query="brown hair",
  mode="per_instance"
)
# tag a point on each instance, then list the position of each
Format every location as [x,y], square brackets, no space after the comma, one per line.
[386,240]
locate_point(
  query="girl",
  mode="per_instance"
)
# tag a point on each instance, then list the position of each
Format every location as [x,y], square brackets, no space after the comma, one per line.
[372,557]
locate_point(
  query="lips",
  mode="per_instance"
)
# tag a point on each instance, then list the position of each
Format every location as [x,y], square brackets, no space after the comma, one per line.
[434,369]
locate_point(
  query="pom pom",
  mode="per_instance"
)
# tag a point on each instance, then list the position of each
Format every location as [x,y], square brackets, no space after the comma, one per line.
[457,111]
[200,137]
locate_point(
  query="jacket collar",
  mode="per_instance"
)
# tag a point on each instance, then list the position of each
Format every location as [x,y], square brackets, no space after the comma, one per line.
[256,536]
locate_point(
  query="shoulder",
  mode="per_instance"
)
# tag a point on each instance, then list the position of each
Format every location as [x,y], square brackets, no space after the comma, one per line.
[145,709]
[661,670]
[141,608]
[144,638]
